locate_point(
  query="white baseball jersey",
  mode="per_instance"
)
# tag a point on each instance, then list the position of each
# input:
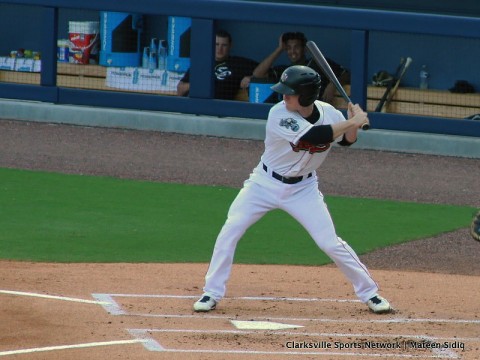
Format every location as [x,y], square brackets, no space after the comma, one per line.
[294,157]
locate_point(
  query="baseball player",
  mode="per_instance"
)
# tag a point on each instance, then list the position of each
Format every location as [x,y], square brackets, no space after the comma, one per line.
[300,131]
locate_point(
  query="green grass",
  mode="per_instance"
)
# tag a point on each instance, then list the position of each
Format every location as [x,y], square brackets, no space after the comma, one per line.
[73,218]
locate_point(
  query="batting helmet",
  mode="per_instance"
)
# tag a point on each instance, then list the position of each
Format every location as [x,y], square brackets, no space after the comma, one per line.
[299,80]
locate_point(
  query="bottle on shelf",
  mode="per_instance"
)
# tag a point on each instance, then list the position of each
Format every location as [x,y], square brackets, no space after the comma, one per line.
[153,59]
[424,75]
[162,54]
[145,57]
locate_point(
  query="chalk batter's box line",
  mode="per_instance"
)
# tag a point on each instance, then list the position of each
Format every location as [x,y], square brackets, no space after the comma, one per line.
[151,344]
[69,347]
[50,297]
[112,307]
[307,334]
[254,298]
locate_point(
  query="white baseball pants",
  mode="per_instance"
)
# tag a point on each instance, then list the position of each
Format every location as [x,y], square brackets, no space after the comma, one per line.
[304,202]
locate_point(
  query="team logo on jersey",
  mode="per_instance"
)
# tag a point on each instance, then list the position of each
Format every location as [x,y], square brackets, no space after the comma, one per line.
[290,123]
[222,71]
[311,148]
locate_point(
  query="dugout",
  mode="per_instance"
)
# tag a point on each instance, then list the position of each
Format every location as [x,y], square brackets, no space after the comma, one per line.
[363,39]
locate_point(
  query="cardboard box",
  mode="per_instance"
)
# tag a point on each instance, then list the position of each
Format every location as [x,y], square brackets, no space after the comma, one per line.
[260,92]
[141,79]
[120,39]
[28,65]
[7,63]
[37,65]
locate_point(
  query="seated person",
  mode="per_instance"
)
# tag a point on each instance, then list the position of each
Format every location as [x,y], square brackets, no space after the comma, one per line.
[232,73]
[294,44]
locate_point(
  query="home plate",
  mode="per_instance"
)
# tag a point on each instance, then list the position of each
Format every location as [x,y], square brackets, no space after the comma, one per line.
[262,325]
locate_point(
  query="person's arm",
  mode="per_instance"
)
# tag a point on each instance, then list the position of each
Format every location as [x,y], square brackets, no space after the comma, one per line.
[183,88]
[261,71]
[342,74]
[329,93]
[245,83]
[359,118]
[327,133]
[330,90]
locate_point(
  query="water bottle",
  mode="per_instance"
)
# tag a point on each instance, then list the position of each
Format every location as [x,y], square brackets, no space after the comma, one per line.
[424,77]
[136,76]
[164,78]
[145,57]
[162,55]
[152,61]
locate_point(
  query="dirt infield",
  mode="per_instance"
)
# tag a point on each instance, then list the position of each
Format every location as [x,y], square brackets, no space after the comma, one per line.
[144,311]
[151,304]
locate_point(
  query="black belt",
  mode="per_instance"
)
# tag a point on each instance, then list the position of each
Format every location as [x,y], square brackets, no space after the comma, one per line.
[286,180]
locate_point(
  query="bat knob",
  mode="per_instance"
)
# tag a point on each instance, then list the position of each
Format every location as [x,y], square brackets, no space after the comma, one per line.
[365,127]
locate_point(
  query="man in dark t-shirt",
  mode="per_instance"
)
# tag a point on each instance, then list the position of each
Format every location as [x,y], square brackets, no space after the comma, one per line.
[294,45]
[232,73]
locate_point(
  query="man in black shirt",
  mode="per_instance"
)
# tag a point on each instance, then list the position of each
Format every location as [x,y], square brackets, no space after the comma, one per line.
[294,44]
[232,73]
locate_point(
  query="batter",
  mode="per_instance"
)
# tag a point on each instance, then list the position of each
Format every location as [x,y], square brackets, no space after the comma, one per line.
[299,134]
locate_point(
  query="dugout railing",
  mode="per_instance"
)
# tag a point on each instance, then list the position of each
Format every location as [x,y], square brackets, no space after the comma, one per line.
[359,23]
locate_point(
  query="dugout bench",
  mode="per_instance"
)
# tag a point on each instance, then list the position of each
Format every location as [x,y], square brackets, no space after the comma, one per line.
[414,101]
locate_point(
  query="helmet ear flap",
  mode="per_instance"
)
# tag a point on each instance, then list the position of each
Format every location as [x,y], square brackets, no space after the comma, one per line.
[308,99]
[305,101]
[309,92]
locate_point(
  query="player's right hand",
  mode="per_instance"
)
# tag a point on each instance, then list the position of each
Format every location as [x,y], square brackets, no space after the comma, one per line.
[356,113]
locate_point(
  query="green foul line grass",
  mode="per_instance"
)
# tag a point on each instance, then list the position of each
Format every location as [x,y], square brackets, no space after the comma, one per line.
[73,218]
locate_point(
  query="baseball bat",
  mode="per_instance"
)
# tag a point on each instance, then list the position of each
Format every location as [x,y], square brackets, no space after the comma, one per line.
[390,85]
[397,83]
[322,62]
[393,86]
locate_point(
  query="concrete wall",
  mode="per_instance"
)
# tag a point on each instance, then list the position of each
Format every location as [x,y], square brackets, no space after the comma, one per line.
[400,141]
